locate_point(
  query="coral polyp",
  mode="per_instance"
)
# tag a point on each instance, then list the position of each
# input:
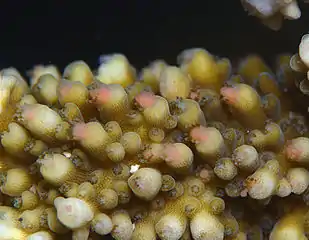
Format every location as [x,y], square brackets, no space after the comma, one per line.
[202,150]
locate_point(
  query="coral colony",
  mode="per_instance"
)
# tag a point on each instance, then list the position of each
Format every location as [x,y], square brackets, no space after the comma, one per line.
[203,150]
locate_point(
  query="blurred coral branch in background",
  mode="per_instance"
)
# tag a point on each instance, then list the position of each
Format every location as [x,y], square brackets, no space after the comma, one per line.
[273,12]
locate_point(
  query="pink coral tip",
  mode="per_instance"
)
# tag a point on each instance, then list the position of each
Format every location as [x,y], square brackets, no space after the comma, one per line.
[79,131]
[171,153]
[229,94]
[101,95]
[145,99]
[28,112]
[292,152]
[65,88]
[199,134]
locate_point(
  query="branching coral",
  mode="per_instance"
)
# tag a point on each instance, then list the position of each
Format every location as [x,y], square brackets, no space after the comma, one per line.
[299,63]
[273,12]
[175,152]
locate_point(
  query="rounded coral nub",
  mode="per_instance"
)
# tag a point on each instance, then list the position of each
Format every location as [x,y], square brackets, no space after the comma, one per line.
[79,131]
[229,94]
[199,134]
[145,99]
[101,95]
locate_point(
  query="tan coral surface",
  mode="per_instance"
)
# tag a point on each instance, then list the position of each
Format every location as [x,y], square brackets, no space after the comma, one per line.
[204,150]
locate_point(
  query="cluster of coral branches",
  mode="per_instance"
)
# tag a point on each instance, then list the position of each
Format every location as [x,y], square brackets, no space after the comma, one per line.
[203,150]
[273,12]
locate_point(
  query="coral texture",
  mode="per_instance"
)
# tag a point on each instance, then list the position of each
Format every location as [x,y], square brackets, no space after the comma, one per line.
[203,150]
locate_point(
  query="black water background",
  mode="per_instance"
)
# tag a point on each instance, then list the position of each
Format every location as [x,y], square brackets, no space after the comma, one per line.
[58,32]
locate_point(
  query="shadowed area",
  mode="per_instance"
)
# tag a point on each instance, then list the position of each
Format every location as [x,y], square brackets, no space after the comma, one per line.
[42,32]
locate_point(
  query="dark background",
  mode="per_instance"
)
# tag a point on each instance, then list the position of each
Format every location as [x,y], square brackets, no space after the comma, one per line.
[58,32]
